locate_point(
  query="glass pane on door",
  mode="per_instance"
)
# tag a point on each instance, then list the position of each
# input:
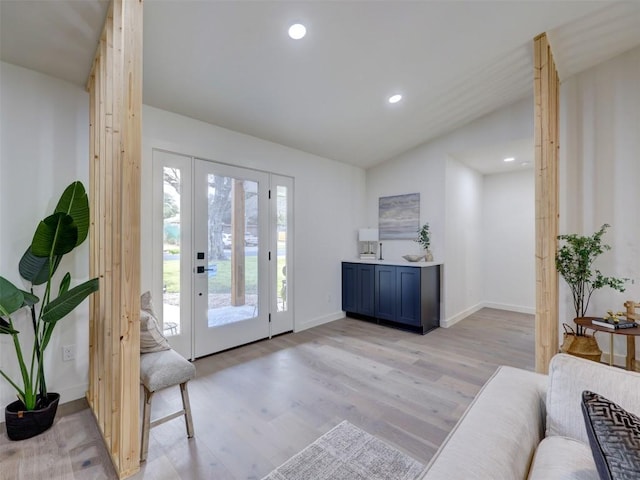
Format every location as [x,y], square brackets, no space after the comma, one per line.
[232,236]
[281,267]
[171,275]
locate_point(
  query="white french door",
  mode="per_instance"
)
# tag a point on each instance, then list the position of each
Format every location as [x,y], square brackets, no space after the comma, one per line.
[231,302]
[223,253]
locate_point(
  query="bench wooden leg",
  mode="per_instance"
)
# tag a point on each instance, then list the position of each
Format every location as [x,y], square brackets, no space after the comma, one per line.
[146,424]
[187,409]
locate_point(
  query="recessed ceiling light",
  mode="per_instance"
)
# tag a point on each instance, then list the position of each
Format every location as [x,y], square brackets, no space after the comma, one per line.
[395,98]
[297,31]
[524,164]
[509,159]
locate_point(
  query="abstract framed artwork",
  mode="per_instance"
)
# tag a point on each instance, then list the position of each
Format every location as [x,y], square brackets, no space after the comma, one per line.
[399,217]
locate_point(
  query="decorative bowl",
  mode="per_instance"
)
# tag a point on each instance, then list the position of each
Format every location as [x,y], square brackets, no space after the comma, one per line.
[413,258]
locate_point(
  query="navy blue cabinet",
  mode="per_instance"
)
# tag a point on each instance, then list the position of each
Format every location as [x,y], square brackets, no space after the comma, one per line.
[358,288]
[401,296]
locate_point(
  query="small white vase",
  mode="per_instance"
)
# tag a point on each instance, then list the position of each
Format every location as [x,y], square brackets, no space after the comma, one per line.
[428,256]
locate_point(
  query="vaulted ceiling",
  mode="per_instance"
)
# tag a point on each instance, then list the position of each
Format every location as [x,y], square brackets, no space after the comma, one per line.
[231,63]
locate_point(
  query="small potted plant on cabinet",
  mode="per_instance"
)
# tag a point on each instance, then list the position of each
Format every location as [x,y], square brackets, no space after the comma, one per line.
[55,236]
[424,239]
[574,261]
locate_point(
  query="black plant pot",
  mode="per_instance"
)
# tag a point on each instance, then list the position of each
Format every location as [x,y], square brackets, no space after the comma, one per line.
[22,424]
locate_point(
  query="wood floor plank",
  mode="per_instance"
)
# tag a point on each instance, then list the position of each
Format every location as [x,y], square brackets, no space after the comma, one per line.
[256,406]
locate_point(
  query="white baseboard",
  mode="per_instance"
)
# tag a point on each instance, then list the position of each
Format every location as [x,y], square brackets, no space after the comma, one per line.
[619,360]
[300,326]
[499,306]
[511,308]
[446,323]
[73,392]
[449,322]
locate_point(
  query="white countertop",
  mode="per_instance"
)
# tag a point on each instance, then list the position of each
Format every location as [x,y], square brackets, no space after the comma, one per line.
[401,262]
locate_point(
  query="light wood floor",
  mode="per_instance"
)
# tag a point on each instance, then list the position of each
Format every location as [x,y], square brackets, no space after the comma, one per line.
[256,406]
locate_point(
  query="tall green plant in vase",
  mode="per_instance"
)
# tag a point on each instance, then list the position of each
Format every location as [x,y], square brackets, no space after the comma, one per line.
[574,261]
[55,236]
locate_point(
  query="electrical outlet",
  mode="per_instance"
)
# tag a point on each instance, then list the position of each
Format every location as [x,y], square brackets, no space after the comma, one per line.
[68,353]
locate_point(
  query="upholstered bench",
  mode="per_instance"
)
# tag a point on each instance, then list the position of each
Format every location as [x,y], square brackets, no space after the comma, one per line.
[159,370]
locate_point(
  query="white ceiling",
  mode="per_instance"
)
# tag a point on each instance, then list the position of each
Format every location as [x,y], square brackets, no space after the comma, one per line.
[231,63]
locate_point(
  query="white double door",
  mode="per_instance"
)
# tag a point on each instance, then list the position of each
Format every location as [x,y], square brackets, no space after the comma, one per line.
[225,266]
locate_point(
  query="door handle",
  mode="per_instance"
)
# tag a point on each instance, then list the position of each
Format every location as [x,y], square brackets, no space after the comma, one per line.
[202,269]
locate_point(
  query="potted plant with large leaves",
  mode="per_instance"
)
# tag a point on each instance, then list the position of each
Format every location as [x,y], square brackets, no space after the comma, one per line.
[574,261]
[55,236]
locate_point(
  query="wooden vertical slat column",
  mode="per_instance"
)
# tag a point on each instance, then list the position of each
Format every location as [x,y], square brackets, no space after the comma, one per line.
[546,91]
[115,91]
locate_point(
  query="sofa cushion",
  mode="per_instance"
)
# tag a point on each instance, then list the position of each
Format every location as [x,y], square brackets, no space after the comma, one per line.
[498,434]
[569,376]
[563,458]
[614,436]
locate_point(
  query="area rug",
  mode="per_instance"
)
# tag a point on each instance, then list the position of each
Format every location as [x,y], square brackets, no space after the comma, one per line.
[348,453]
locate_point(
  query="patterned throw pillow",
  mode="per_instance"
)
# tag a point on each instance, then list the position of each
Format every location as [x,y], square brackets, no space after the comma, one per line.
[614,436]
[151,338]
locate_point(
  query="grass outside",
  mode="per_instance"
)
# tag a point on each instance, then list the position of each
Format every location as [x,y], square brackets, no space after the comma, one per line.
[221,281]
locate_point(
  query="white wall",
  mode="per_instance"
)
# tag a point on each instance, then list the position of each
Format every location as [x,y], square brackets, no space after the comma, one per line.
[44,137]
[414,172]
[464,242]
[600,174]
[328,203]
[451,197]
[43,147]
[508,252]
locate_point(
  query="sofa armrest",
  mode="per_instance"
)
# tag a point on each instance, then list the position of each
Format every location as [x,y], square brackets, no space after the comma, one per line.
[497,436]
[569,376]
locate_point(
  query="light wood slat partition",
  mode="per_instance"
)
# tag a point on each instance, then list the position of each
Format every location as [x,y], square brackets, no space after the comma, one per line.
[115,92]
[546,167]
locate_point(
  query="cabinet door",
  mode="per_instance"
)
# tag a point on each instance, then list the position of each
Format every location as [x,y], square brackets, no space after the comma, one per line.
[349,287]
[385,292]
[365,289]
[408,295]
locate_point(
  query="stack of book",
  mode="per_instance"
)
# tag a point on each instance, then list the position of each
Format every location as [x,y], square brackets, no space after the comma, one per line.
[610,324]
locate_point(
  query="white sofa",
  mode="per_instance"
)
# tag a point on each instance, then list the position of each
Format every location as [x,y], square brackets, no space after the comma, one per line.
[524,425]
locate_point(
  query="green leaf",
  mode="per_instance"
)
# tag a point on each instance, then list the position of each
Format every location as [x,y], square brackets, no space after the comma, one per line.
[29,399]
[29,299]
[56,235]
[64,284]
[11,297]
[46,336]
[6,329]
[75,203]
[65,303]
[36,269]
